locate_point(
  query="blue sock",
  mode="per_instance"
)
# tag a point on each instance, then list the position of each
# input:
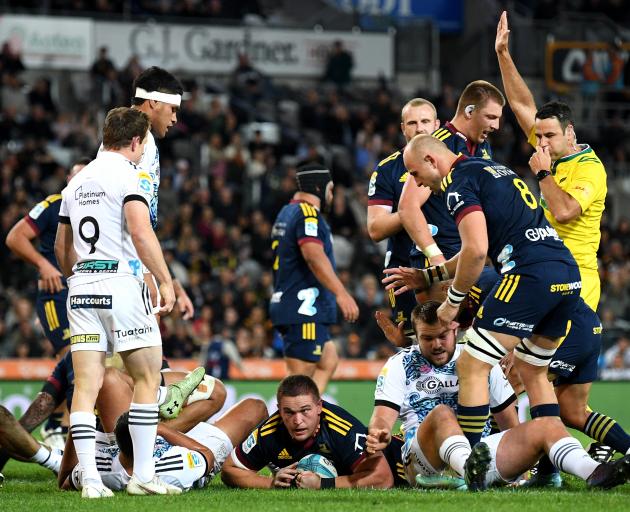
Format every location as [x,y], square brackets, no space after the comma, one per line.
[472,421]
[607,431]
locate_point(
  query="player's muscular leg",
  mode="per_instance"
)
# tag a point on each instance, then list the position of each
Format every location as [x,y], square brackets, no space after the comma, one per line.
[573,401]
[521,447]
[533,371]
[114,397]
[241,418]
[326,366]
[473,380]
[143,365]
[299,367]
[89,370]
[438,426]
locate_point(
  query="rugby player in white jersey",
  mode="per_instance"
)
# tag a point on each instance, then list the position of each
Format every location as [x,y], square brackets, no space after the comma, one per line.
[158,94]
[104,235]
[417,381]
[419,385]
[186,461]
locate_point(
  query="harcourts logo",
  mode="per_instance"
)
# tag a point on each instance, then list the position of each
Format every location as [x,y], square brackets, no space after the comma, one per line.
[91,302]
[538,234]
[135,331]
[519,326]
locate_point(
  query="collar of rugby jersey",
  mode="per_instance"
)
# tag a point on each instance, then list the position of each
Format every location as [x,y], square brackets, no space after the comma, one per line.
[585,149]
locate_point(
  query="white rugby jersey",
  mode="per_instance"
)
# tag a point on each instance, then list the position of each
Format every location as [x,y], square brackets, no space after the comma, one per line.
[411,384]
[150,163]
[93,204]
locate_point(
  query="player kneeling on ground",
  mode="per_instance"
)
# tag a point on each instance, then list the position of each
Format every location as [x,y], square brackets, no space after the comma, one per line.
[304,425]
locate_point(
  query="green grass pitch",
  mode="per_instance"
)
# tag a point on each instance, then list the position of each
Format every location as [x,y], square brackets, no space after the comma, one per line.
[29,488]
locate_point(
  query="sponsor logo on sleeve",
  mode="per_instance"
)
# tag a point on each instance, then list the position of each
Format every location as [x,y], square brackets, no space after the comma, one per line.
[310,226]
[372,186]
[194,460]
[453,201]
[37,210]
[91,302]
[250,442]
[144,183]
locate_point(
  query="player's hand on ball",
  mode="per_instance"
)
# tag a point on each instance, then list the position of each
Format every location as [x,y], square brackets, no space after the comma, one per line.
[540,160]
[403,279]
[308,480]
[377,439]
[285,476]
[503,34]
[167,298]
[394,333]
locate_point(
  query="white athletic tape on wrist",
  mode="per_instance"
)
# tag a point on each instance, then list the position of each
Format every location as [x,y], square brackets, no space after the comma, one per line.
[483,346]
[431,251]
[203,391]
[164,97]
[527,351]
[454,297]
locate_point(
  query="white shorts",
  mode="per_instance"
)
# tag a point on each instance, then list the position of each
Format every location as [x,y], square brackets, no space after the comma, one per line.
[493,477]
[216,441]
[414,461]
[111,315]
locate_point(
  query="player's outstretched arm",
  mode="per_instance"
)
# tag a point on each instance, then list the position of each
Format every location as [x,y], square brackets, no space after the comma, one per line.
[319,264]
[409,209]
[235,476]
[381,223]
[371,472]
[149,250]
[518,94]
[64,249]
[19,240]
[380,428]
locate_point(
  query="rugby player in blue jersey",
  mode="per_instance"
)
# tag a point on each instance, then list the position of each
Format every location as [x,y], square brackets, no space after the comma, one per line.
[307,290]
[528,309]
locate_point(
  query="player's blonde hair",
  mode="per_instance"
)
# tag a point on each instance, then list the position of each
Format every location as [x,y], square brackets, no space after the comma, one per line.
[416,102]
[477,94]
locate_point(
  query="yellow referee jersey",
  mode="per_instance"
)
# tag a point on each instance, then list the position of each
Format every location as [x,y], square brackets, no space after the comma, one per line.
[583,177]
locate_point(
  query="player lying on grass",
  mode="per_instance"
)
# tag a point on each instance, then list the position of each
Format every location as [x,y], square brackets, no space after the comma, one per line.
[410,389]
[183,460]
[17,443]
[573,368]
[303,425]
[416,381]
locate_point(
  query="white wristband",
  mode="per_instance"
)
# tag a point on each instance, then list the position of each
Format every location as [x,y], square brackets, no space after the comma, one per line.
[431,251]
[454,297]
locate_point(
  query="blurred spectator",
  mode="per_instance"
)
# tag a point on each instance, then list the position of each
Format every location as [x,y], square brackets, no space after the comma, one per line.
[618,356]
[339,66]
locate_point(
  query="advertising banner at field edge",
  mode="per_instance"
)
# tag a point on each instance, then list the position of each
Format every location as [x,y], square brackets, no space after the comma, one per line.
[47,42]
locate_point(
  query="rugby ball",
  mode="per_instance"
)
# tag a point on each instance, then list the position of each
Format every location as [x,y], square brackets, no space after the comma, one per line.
[317,464]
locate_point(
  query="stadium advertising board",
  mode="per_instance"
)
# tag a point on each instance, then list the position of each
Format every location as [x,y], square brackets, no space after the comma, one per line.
[214,49]
[54,43]
[589,65]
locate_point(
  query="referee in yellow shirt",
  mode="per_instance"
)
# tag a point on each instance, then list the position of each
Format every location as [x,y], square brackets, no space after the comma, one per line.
[572,178]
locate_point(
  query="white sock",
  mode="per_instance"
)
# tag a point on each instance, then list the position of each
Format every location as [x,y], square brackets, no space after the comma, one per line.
[568,455]
[161,395]
[83,429]
[454,451]
[143,420]
[50,459]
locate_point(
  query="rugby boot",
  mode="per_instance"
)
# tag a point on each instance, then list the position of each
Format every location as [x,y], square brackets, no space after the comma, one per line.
[154,486]
[610,474]
[476,467]
[178,392]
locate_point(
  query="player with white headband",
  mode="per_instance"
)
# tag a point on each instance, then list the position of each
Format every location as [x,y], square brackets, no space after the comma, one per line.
[158,94]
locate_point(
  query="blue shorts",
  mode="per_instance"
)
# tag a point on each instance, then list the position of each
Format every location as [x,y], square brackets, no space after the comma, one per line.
[575,361]
[533,299]
[304,341]
[52,314]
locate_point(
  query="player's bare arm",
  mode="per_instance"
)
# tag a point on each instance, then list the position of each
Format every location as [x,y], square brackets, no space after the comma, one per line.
[176,438]
[562,206]
[518,94]
[19,240]
[64,249]
[186,307]
[149,250]
[235,476]
[380,428]
[472,257]
[39,410]
[382,223]
[413,220]
[403,279]
[319,264]
[394,333]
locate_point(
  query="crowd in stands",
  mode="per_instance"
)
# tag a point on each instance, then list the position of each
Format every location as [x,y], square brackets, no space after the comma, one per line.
[227,168]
